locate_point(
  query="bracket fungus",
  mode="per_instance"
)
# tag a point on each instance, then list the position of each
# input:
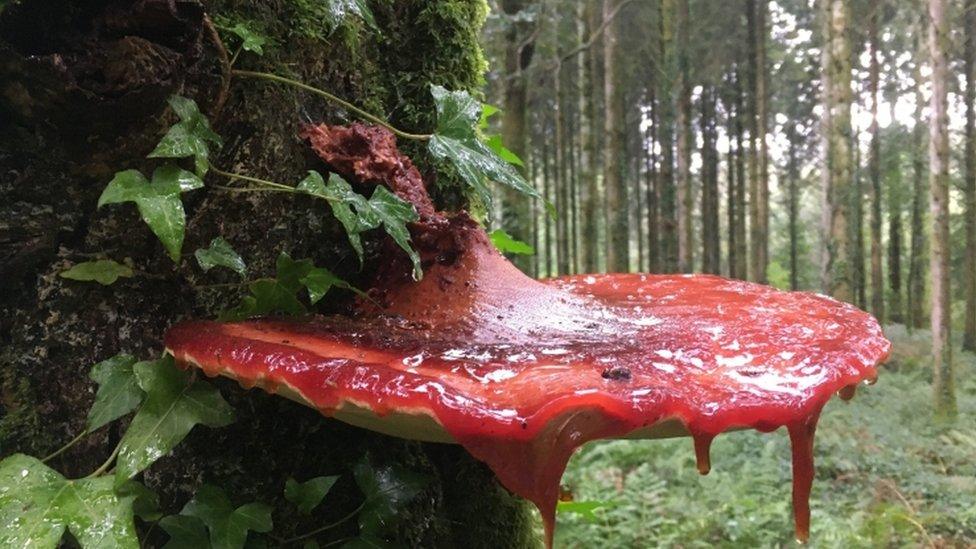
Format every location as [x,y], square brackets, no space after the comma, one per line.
[523,372]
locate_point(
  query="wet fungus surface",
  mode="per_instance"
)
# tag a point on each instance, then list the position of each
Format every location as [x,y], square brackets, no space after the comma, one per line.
[523,372]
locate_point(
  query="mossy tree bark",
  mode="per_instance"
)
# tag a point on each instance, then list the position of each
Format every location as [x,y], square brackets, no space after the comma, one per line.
[83,90]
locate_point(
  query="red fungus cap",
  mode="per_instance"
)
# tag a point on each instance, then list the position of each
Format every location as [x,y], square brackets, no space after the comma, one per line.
[523,372]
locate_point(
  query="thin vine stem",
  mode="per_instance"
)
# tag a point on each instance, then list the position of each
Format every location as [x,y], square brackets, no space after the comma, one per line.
[66,447]
[317,531]
[108,462]
[265,182]
[335,99]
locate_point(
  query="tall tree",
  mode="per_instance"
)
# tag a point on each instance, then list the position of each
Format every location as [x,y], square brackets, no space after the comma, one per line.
[618,240]
[731,202]
[939,254]
[874,164]
[711,242]
[742,245]
[592,90]
[837,273]
[759,155]
[519,46]
[665,138]
[793,202]
[969,273]
[685,191]
[917,255]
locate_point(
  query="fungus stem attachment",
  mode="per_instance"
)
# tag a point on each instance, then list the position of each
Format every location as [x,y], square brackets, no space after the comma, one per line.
[335,99]
[66,447]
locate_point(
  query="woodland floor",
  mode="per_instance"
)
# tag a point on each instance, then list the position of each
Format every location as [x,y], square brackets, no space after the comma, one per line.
[888,475]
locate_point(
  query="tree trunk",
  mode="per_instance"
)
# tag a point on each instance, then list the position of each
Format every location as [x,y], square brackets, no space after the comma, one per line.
[793,200]
[742,245]
[874,168]
[665,137]
[592,86]
[516,208]
[95,102]
[653,209]
[942,378]
[969,273]
[616,189]
[918,253]
[731,205]
[896,195]
[837,273]
[711,259]
[686,201]
[857,207]
[759,155]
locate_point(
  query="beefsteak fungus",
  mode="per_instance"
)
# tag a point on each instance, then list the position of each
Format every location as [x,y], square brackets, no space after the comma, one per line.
[523,372]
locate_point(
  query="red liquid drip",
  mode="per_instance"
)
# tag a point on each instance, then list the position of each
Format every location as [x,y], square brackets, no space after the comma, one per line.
[801,442]
[703,445]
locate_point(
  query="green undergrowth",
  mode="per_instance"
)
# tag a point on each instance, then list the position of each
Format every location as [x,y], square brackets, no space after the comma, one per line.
[888,475]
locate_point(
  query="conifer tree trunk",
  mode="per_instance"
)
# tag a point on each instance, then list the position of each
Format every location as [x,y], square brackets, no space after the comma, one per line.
[665,137]
[711,260]
[592,88]
[742,245]
[793,199]
[837,272]
[857,207]
[759,155]
[877,277]
[684,185]
[731,205]
[896,195]
[918,260]
[516,209]
[942,378]
[615,188]
[653,195]
[969,273]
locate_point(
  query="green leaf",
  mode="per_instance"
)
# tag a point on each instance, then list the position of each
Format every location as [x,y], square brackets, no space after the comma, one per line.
[228,526]
[487,111]
[457,142]
[103,271]
[339,10]
[174,405]
[494,143]
[220,254]
[307,495]
[320,280]
[506,244]
[250,40]
[158,202]
[351,208]
[118,393]
[395,213]
[37,504]
[185,532]
[386,489]
[146,502]
[190,137]
[585,509]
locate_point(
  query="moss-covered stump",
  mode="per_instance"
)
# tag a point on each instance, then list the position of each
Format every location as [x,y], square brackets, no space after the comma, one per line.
[82,94]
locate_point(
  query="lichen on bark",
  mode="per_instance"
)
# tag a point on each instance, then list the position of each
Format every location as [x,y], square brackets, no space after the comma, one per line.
[82,94]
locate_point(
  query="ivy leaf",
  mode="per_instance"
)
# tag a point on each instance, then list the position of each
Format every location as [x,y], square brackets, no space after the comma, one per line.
[494,143]
[158,202]
[456,141]
[339,10]
[585,509]
[509,245]
[386,489]
[351,208]
[185,532]
[395,213]
[103,271]
[145,504]
[307,495]
[118,393]
[220,254]
[190,137]
[487,111]
[228,526]
[37,505]
[250,40]
[174,405]
[320,280]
